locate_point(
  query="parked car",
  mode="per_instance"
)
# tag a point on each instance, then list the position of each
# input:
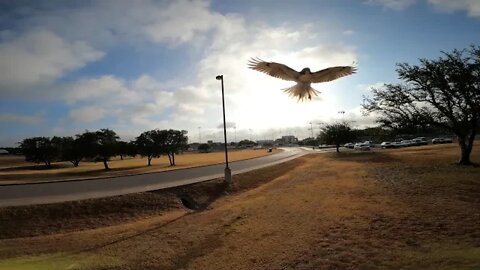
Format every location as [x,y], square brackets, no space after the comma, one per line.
[441,140]
[387,145]
[362,146]
[397,144]
[349,145]
[370,143]
[406,143]
[420,141]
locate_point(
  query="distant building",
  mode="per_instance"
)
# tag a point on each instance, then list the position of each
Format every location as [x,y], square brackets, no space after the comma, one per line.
[289,139]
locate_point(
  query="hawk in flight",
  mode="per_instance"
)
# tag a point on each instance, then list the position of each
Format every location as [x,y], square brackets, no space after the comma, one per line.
[302,90]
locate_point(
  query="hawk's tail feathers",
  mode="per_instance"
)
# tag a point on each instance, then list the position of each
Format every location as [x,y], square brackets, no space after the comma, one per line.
[302,92]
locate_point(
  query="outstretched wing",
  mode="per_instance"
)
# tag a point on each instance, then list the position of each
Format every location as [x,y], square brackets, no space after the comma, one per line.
[333,73]
[276,70]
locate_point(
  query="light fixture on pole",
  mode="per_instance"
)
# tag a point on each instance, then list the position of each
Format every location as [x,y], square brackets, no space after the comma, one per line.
[228,172]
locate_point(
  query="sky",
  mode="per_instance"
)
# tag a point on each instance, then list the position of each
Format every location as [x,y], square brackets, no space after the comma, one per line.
[133,66]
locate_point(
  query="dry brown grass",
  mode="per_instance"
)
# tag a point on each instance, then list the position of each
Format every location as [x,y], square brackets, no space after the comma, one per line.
[14,170]
[401,209]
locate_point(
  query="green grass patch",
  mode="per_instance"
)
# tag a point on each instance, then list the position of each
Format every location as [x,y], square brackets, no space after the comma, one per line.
[59,261]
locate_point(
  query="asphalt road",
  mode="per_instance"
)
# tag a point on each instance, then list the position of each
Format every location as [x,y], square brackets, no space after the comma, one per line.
[41,193]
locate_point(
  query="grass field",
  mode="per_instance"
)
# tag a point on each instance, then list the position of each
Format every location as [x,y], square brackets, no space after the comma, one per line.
[13,169]
[409,208]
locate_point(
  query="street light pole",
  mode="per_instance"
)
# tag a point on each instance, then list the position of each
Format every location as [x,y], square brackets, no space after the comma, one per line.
[228,172]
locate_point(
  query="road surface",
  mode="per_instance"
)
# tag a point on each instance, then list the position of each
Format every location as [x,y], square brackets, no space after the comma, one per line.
[40,193]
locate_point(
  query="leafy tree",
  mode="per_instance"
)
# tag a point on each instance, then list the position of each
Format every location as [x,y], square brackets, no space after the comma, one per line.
[72,150]
[41,149]
[444,93]
[204,148]
[131,150]
[246,143]
[375,134]
[126,149]
[309,142]
[106,141]
[87,144]
[148,145]
[337,134]
[176,141]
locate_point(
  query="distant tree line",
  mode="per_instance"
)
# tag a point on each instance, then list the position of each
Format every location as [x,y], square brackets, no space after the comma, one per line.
[102,145]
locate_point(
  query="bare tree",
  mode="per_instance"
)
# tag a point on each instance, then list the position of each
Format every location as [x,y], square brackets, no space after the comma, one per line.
[444,92]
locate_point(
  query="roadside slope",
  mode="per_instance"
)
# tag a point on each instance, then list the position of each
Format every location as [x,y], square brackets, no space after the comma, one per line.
[406,209]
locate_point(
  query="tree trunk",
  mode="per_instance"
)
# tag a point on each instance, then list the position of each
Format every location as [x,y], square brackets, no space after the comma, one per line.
[105,163]
[466,149]
[169,158]
[48,164]
[173,159]
[149,160]
[338,146]
[75,163]
[121,157]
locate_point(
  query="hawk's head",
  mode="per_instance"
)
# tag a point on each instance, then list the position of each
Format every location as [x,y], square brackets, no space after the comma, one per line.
[305,71]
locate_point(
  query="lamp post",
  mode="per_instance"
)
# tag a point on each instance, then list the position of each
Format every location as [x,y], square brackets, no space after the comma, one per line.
[228,172]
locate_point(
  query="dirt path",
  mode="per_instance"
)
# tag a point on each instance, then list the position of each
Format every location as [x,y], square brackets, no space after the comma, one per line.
[388,210]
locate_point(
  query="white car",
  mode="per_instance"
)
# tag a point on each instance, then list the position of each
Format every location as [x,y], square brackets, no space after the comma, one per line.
[362,146]
[349,145]
[421,141]
[370,143]
[387,145]
[406,143]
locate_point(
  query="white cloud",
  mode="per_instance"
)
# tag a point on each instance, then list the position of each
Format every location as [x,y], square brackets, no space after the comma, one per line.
[130,103]
[471,6]
[253,100]
[21,119]
[358,119]
[170,26]
[39,57]
[106,23]
[367,88]
[87,114]
[107,87]
[392,4]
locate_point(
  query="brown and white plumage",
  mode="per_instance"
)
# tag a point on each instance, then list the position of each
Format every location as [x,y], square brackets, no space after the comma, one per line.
[302,90]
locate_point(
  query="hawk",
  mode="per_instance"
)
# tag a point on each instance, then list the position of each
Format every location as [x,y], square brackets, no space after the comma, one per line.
[302,90]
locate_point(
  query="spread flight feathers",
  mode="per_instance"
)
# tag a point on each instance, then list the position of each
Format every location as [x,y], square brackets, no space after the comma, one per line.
[302,90]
